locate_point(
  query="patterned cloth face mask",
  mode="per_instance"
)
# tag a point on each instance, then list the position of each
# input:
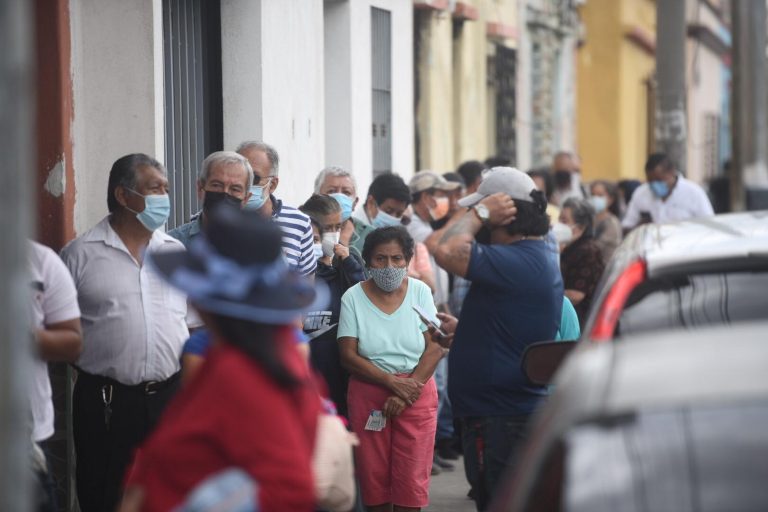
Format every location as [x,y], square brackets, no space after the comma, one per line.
[388,279]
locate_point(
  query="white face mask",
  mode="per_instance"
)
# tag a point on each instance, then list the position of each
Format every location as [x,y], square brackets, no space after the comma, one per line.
[329,241]
[317,249]
[563,232]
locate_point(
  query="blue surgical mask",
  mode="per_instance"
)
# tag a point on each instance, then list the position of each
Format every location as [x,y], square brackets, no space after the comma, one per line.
[600,203]
[157,208]
[317,249]
[659,188]
[258,197]
[383,220]
[346,205]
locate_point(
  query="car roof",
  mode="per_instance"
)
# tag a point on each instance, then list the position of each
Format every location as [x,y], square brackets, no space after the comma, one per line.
[664,369]
[725,236]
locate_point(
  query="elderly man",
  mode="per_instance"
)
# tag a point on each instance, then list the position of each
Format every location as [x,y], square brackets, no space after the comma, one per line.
[567,174]
[296,227]
[225,179]
[133,329]
[341,185]
[666,197]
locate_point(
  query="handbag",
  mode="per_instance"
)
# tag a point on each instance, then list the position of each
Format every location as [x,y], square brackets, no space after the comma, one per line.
[333,465]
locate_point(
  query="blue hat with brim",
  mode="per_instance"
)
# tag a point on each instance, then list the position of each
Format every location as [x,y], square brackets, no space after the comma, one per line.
[235,267]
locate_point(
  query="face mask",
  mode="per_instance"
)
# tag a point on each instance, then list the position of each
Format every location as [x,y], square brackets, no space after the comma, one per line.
[213,199]
[441,210]
[388,279]
[258,197]
[383,220]
[318,250]
[600,203]
[563,179]
[563,232]
[659,188]
[346,205]
[483,236]
[329,242]
[157,208]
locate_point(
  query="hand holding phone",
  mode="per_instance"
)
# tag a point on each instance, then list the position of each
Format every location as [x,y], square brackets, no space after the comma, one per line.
[429,321]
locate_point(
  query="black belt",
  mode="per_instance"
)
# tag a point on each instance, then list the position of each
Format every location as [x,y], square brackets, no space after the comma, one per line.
[147,388]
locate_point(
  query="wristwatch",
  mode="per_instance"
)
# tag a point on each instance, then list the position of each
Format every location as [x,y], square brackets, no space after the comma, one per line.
[482,212]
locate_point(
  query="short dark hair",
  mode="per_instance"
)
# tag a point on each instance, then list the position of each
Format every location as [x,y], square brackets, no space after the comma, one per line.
[497,161]
[583,213]
[319,205]
[471,171]
[549,182]
[531,218]
[123,174]
[389,186]
[659,159]
[385,235]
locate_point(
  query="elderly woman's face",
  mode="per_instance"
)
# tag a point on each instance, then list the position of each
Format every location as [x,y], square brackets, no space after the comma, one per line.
[389,254]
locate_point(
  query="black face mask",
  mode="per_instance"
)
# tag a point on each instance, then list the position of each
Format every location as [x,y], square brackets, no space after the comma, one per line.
[563,179]
[214,200]
[483,236]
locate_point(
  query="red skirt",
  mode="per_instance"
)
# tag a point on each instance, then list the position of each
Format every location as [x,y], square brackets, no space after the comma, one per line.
[394,465]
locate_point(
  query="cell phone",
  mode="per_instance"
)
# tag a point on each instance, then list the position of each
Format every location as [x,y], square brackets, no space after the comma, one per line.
[645,218]
[430,322]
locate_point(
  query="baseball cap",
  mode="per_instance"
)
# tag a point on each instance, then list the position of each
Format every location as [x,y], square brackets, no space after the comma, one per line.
[426,180]
[516,184]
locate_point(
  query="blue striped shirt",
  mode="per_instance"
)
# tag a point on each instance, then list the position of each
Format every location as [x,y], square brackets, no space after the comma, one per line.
[297,236]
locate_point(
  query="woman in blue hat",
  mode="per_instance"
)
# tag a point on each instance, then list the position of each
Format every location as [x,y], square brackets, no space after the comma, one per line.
[254,406]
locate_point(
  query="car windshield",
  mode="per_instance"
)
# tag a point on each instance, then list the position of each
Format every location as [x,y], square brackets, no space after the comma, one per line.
[703,459]
[692,301]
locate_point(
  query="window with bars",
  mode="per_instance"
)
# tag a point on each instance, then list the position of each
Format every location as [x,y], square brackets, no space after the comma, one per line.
[193,102]
[381,113]
[504,69]
[711,149]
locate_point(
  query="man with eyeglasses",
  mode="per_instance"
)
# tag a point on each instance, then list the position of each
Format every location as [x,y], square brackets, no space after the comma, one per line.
[296,227]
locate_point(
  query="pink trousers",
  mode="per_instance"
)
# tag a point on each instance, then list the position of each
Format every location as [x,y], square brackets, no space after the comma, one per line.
[394,465]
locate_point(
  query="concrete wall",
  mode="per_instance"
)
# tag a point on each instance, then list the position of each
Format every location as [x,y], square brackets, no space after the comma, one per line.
[117,78]
[273,87]
[348,94]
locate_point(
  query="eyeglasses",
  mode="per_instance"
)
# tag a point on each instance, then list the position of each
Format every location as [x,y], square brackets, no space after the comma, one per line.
[263,181]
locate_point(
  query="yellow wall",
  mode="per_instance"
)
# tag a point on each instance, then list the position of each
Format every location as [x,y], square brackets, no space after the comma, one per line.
[434,114]
[612,99]
[455,106]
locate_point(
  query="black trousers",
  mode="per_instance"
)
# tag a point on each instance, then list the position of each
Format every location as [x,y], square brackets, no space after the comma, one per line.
[103,450]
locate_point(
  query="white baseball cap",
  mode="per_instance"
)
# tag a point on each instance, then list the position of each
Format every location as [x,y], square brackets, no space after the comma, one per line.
[516,184]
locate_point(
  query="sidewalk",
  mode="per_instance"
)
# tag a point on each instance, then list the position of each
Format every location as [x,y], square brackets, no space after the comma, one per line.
[448,491]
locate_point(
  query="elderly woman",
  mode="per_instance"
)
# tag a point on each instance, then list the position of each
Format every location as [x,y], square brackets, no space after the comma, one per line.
[605,201]
[392,396]
[581,261]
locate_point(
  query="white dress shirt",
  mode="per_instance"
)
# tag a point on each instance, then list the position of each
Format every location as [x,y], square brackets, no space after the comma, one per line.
[133,321]
[54,300]
[687,201]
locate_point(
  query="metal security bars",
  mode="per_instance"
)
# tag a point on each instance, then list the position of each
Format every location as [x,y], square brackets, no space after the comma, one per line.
[505,75]
[193,103]
[381,114]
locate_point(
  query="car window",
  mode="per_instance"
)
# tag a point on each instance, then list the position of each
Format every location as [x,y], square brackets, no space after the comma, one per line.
[706,459]
[694,301]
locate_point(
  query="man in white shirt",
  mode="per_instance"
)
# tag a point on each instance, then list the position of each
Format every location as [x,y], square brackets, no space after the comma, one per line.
[133,329]
[57,337]
[666,197]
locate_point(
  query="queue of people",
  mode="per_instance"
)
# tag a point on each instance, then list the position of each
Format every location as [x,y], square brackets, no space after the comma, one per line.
[218,345]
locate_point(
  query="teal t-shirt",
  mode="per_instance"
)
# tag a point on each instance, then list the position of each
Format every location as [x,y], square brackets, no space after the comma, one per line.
[569,323]
[394,343]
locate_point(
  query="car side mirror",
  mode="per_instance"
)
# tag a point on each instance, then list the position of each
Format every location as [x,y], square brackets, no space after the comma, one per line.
[541,360]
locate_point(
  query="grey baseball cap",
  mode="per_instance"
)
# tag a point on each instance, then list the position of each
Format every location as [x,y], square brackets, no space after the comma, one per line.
[426,180]
[516,184]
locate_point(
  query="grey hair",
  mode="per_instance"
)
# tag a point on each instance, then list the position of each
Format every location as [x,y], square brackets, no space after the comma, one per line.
[272,156]
[583,213]
[336,172]
[223,158]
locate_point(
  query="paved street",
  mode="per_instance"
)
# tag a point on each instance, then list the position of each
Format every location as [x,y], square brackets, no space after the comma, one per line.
[448,492]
